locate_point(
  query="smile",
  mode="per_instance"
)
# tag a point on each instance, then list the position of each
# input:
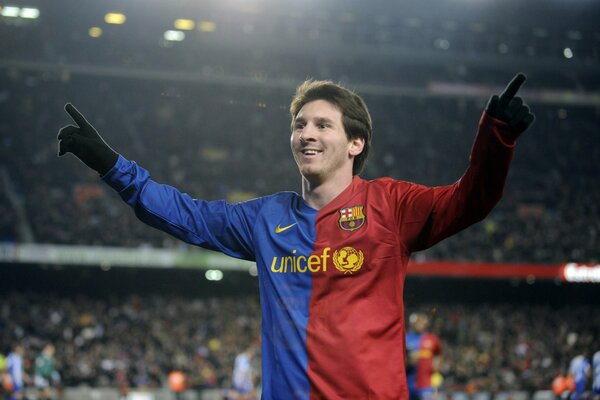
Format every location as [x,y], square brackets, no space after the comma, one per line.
[310,152]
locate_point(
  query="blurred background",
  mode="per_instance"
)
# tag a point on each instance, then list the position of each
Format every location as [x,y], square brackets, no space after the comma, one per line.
[198,93]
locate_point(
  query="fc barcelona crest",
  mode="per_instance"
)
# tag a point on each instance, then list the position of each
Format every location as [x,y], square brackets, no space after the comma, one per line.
[352,218]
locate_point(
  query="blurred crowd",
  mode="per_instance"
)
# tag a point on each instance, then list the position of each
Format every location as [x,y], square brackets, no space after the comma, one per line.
[8,219]
[222,142]
[135,341]
[132,342]
[498,347]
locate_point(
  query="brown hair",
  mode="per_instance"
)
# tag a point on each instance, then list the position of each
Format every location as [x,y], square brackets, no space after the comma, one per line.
[355,115]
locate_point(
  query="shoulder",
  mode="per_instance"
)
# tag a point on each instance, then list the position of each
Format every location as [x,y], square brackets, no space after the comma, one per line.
[279,200]
[279,197]
[395,189]
[387,183]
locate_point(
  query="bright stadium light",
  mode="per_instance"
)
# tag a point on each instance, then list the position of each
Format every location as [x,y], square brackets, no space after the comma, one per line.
[95,32]
[29,13]
[568,53]
[214,275]
[174,36]
[115,18]
[10,11]
[207,26]
[253,270]
[184,24]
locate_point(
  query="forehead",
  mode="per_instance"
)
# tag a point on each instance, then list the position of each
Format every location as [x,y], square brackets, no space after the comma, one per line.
[320,109]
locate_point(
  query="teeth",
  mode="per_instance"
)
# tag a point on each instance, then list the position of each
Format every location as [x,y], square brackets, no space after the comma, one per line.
[310,152]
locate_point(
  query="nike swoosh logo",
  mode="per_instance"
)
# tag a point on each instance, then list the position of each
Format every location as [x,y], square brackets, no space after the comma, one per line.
[280,229]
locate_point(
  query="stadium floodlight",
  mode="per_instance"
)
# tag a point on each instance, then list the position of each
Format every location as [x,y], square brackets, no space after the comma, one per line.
[174,36]
[115,18]
[253,270]
[29,13]
[214,275]
[95,32]
[10,11]
[207,26]
[184,24]
[568,53]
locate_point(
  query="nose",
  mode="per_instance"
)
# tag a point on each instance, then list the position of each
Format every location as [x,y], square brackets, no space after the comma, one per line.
[307,134]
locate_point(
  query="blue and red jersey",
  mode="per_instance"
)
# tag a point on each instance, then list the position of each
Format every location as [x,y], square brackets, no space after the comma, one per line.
[421,349]
[331,280]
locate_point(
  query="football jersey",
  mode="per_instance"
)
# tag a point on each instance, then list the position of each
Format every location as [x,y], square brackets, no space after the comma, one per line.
[243,373]
[421,348]
[331,280]
[14,367]
[579,370]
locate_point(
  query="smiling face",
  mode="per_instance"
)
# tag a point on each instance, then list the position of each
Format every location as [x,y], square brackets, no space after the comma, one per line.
[320,145]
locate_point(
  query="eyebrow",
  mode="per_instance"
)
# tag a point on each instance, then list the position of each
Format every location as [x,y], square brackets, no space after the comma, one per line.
[324,119]
[317,120]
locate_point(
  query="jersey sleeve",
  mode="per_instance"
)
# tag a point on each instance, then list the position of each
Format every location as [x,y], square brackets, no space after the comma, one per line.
[427,215]
[214,225]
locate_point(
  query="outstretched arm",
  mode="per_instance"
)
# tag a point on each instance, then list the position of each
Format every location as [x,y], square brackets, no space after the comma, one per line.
[215,225]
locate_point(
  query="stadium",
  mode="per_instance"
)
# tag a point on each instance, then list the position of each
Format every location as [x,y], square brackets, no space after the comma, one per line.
[198,92]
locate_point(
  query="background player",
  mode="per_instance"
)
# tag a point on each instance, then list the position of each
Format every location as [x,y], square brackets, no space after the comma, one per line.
[16,372]
[244,376]
[46,375]
[423,357]
[580,370]
[596,376]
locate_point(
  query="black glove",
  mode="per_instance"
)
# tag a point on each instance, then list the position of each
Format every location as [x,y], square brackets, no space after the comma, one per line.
[85,143]
[511,109]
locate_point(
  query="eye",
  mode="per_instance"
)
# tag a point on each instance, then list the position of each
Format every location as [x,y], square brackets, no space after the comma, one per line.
[323,125]
[298,125]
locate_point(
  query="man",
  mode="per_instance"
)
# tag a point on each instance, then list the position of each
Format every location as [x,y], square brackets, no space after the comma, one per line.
[423,351]
[332,261]
[596,376]
[15,368]
[45,373]
[244,376]
[580,370]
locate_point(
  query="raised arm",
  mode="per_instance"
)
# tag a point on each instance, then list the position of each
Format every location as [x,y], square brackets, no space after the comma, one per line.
[429,215]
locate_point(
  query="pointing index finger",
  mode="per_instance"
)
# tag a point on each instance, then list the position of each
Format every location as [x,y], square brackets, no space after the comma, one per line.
[76,115]
[512,88]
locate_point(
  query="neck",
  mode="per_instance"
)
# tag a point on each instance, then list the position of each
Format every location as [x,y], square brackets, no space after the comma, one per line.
[319,194]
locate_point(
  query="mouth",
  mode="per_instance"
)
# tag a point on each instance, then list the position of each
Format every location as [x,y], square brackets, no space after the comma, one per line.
[310,152]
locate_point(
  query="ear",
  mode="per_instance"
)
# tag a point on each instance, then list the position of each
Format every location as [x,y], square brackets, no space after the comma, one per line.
[356,146]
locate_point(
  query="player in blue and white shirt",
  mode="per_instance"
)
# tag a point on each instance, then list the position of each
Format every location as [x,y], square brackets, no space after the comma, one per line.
[579,369]
[14,366]
[596,375]
[244,376]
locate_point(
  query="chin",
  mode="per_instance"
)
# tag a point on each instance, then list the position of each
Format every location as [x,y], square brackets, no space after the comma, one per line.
[309,173]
